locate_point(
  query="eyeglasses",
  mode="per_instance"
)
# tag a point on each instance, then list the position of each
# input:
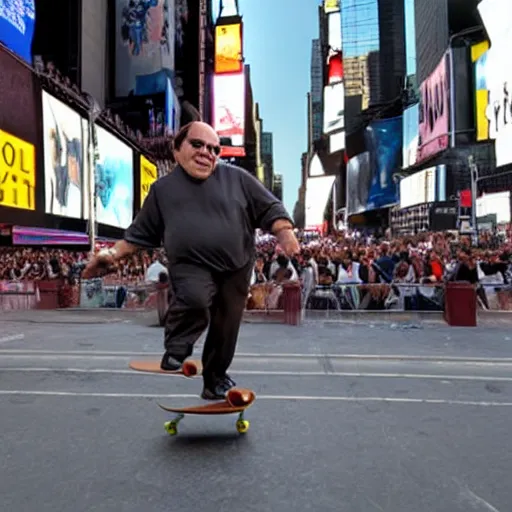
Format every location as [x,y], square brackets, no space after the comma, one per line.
[200,144]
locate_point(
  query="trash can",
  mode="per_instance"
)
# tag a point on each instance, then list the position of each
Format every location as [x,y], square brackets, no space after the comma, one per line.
[460,304]
[292,303]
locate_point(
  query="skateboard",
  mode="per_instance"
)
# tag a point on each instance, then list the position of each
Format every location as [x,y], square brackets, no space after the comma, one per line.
[236,402]
[190,368]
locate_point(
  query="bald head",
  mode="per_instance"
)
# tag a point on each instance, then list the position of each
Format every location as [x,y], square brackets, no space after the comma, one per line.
[196,148]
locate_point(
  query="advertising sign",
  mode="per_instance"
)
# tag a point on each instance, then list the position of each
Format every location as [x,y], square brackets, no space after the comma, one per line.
[114,181]
[434,112]
[384,143]
[410,136]
[17,23]
[358,183]
[498,76]
[318,191]
[335,68]
[65,159]
[334,31]
[148,175]
[228,48]
[17,172]
[334,108]
[479,59]
[331,6]
[144,41]
[229,111]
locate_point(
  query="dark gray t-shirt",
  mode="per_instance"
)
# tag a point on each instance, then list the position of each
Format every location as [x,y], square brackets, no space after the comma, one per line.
[206,222]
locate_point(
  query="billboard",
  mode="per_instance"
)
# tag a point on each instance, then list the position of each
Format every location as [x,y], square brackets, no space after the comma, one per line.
[17,23]
[410,136]
[228,49]
[65,159]
[144,44]
[17,172]
[114,181]
[334,108]
[384,143]
[426,186]
[148,175]
[334,31]
[434,112]
[318,191]
[335,68]
[331,6]
[229,111]
[498,76]
[358,183]
[479,59]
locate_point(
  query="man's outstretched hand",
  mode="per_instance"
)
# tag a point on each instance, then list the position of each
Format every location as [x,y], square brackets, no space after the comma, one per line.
[288,242]
[98,265]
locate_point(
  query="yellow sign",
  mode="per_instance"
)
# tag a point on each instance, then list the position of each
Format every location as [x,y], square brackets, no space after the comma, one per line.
[228,48]
[148,175]
[17,172]
[481,94]
[260,173]
[331,5]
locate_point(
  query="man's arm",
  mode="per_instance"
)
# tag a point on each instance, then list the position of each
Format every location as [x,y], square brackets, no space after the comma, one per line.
[145,232]
[269,214]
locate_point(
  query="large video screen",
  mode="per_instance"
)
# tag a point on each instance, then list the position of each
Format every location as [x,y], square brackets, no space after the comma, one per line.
[65,159]
[17,23]
[228,48]
[114,181]
[334,108]
[229,111]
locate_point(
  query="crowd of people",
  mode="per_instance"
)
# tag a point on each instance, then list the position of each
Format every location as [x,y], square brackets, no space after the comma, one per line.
[348,271]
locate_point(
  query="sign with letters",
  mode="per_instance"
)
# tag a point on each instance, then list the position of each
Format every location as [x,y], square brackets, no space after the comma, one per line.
[148,175]
[17,172]
[434,112]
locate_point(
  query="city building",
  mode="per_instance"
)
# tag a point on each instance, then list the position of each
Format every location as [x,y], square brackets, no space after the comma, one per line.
[277,187]
[317,86]
[267,156]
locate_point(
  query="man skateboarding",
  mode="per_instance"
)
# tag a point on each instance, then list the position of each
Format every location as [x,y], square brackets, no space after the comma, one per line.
[204,213]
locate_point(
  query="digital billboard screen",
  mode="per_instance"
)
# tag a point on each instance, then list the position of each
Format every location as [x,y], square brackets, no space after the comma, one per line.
[334,108]
[229,111]
[114,181]
[17,23]
[65,159]
[228,49]
[17,172]
[148,175]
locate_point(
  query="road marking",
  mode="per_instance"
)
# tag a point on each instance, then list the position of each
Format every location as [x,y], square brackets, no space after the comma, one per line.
[288,398]
[486,378]
[13,337]
[376,357]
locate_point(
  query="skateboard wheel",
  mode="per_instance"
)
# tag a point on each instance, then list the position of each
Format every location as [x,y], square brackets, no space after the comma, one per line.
[242,426]
[171,428]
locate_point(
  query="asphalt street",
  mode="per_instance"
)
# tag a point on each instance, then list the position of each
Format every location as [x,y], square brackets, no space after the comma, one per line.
[356,418]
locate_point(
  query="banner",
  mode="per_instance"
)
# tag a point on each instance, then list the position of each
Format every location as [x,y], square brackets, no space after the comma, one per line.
[229,112]
[144,43]
[410,136]
[318,191]
[479,59]
[65,159]
[358,183]
[17,23]
[17,172]
[148,175]
[384,143]
[114,181]
[434,112]
[228,49]
[334,108]
[498,76]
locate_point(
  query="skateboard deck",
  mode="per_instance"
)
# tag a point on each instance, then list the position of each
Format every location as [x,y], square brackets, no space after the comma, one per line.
[190,368]
[237,401]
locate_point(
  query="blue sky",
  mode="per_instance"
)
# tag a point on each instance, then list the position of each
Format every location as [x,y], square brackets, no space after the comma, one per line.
[277,44]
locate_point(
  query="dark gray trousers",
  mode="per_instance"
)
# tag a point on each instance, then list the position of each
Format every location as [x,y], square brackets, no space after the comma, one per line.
[199,298]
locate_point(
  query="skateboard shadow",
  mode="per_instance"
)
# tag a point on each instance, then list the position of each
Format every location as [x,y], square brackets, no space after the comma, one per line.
[198,442]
